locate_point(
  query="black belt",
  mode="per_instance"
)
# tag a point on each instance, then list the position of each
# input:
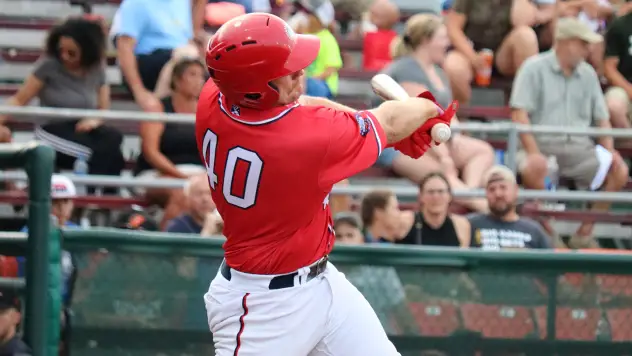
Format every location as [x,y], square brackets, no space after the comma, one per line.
[285,280]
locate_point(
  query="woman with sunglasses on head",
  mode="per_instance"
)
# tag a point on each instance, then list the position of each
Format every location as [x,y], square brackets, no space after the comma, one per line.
[71,74]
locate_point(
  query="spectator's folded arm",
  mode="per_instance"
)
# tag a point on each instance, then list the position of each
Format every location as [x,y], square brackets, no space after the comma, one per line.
[150,134]
[32,85]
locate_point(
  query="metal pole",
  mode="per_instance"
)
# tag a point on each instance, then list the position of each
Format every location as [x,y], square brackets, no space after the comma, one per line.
[39,163]
[512,148]
[38,114]
[353,189]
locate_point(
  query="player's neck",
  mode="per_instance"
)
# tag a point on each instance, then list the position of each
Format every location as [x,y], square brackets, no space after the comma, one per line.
[434,220]
[183,103]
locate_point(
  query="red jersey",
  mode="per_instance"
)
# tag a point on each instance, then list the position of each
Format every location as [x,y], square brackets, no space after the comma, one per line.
[271,172]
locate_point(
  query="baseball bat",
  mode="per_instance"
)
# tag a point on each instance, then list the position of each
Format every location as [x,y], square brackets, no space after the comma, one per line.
[387,88]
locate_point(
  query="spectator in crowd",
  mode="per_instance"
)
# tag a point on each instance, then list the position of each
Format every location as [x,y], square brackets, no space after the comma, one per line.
[169,149]
[618,68]
[163,86]
[247,4]
[503,228]
[71,74]
[380,214]
[352,9]
[432,224]
[594,13]
[5,134]
[376,30]
[11,343]
[348,228]
[504,27]
[137,220]
[145,35]
[559,88]
[418,54]
[63,191]
[201,216]
[322,74]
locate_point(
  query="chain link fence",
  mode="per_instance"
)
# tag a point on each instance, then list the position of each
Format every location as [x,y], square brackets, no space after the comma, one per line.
[134,303]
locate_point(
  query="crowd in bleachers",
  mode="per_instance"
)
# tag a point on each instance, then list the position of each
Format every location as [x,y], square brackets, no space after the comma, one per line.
[551,53]
[561,63]
[434,225]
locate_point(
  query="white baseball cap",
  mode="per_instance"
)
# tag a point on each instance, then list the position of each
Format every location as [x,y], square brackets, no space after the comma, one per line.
[322,9]
[62,187]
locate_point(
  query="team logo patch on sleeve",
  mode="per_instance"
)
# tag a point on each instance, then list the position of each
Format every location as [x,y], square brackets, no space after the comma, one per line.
[363,123]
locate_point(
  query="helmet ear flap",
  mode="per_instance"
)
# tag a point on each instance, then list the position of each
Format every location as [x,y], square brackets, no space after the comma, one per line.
[273,86]
[252,96]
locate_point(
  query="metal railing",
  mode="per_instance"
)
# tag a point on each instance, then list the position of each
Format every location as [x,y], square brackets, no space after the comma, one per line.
[356,189]
[38,114]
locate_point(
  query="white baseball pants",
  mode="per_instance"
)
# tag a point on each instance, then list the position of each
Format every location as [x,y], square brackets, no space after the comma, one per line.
[326,316]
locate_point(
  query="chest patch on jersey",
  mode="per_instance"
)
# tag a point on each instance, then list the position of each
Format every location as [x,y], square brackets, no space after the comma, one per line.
[363,123]
[235,110]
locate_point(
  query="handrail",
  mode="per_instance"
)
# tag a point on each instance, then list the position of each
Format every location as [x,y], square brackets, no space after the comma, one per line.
[374,254]
[355,189]
[35,113]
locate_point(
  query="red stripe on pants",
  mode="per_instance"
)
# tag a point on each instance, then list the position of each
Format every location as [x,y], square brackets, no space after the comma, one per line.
[242,325]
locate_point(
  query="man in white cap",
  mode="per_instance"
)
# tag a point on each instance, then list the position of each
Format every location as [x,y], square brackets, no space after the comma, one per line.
[559,88]
[62,192]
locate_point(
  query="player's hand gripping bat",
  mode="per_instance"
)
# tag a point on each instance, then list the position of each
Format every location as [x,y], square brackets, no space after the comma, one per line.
[387,88]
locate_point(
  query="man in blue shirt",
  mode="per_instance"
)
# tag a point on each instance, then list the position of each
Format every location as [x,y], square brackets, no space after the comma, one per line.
[145,32]
[202,217]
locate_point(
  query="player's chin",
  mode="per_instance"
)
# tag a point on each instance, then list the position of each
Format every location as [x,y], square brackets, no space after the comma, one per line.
[295,95]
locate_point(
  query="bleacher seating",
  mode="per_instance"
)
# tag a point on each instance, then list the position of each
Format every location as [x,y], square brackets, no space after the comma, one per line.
[498,321]
[435,318]
[572,323]
[620,320]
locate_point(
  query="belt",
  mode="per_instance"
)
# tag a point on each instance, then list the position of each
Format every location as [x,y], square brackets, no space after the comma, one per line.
[285,280]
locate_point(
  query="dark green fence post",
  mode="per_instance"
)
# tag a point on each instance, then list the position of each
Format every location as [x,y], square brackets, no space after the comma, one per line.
[38,162]
[39,168]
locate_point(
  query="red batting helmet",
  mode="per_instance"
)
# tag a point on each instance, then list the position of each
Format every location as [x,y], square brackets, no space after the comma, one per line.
[251,50]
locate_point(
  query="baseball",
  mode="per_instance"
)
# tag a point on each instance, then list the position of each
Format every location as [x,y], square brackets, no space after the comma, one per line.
[441,133]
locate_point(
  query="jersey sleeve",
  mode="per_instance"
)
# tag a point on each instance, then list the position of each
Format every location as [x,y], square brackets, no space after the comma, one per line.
[355,141]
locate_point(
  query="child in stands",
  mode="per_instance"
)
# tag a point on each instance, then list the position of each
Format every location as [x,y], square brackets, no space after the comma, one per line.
[322,74]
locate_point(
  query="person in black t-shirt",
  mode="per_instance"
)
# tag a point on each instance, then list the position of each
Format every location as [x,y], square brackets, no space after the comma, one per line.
[10,342]
[618,67]
[433,224]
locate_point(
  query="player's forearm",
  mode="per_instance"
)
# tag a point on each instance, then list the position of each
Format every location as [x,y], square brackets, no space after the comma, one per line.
[315,101]
[400,119]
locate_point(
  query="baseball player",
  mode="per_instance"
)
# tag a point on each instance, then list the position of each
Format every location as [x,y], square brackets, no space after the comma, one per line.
[272,157]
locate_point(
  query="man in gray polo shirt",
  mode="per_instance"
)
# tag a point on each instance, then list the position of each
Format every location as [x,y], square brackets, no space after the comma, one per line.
[559,88]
